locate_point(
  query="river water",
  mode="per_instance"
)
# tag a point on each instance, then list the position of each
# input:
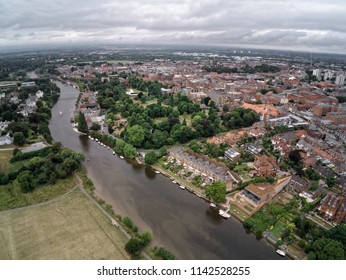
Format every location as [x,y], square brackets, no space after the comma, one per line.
[179,221]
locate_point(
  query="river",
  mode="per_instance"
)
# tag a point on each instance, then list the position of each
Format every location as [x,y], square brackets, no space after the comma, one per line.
[179,221]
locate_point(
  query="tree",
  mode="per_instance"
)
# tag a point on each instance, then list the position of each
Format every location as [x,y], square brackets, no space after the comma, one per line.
[130,151]
[206,100]
[119,146]
[216,191]
[26,182]
[331,182]
[145,238]
[95,126]
[158,138]
[312,174]
[82,124]
[295,156]
[150,158]
[134,246]
[136,135]
[225,108]
[328,249]
[18,138]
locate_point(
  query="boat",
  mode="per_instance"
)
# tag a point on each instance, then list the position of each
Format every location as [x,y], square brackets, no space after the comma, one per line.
[157,172]
[113,153]
[60,113]
[174,182]
[224,214]
[182,187]
[212,205]
[121,157]
[280,252]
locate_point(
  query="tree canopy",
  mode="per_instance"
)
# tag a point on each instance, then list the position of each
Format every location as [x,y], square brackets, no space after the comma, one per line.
[216,191]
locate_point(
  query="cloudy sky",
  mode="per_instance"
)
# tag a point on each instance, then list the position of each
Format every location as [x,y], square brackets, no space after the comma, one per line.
[308,25]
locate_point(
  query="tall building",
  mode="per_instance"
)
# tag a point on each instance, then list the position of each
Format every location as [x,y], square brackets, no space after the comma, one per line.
[340,80]
[317,73]
[328,75]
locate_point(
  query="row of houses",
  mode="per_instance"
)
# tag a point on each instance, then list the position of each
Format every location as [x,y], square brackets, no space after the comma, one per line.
[201,164]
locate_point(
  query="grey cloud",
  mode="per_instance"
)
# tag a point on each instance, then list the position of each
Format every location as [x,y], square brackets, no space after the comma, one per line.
[305,23]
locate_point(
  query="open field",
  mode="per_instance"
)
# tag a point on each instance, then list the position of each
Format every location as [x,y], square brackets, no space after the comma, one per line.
[5,157]
[12,197]
[71,227]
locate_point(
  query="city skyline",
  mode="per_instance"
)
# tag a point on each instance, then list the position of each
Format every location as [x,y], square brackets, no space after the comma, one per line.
[314,26]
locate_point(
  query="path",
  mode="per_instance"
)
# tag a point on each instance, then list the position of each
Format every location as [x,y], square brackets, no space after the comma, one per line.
[114,222]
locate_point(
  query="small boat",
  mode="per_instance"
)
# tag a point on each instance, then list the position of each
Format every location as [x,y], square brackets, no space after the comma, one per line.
[212,205]
[182,187]
[121,157]
[88,159]
[60,113]
[113,153]
[174,182]
[157,172]
[224,214]
[280,252]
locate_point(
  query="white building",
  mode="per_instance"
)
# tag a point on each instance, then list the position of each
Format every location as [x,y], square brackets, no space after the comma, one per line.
[328,75]
[317,73]
[340,80]
[6,140]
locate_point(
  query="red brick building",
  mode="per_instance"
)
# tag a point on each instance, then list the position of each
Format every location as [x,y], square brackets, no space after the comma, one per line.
[265,166]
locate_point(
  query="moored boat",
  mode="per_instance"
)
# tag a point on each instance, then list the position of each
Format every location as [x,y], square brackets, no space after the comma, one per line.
[182,187]
[224,214]
[280,252]
[60,113]
[121,157]
[212,205]
[157,172]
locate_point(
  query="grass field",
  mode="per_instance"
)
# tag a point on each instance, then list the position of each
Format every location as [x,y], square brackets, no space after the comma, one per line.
[12,197]
[7,82]
[5,157]
[71,227]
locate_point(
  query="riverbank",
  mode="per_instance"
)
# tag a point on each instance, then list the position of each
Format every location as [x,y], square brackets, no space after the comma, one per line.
[153,203]
[180,181]
[70,227]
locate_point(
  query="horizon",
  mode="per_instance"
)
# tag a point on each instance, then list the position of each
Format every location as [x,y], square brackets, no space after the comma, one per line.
[298,25]
[52,47]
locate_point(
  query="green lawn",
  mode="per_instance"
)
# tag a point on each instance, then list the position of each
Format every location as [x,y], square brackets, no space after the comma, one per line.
[277,229]
[68,228]
[241,168]
[237,212]
[7,82]
[158,120]
[187,117]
